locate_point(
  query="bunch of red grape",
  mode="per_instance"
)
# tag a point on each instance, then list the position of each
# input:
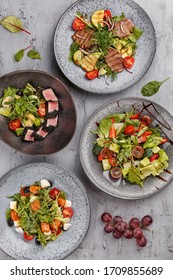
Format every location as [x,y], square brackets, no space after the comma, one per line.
[120,228]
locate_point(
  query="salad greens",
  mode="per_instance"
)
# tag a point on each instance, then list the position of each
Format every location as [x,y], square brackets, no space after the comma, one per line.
[152,88]
[129,147]
[38,212]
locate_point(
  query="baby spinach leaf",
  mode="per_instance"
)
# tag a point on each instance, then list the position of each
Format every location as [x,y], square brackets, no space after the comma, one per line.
[34,54]
[13,24]
[152,88]
[19,55]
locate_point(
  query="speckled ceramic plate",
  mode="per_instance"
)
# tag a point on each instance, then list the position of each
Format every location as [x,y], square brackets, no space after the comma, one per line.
[13,243]
[144,56]
[122,188]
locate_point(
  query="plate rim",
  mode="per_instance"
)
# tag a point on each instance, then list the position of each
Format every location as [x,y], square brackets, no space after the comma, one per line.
[30,164]
[82,139]
[99,92]
[58,80]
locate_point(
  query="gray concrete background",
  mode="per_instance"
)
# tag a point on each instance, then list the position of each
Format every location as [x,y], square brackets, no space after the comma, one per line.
[41,17]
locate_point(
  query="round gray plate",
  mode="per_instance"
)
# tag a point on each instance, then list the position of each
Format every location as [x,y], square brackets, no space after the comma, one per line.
[144,56]
[121,188]
[13,243]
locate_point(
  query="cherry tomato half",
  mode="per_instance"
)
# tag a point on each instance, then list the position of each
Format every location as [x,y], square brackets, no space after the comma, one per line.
[42,110]
[106,153]
[14,124]
[164,140]
[78,24]
[107,13]
[67,212]
[143,137]
[99,158]
[138,152]
[53,193]
[135,116]
[28,237]
[45,227]
[128,62]
[92,74]
[112,161]
[146,119]
[129,130]
[116,172]
[112,132]
[154,157]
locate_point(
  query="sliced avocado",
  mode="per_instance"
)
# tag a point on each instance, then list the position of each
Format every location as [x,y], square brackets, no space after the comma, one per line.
[155,150]
[106,165]
[77,57]
[114,147]
[118,127]
[102,72]
[144,162]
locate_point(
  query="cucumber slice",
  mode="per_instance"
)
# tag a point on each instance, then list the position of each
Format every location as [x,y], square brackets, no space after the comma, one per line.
[5,111]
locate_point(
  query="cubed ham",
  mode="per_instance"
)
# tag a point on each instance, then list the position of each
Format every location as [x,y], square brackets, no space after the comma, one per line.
[49,94]
[28,135]
[41,133]
[53,108]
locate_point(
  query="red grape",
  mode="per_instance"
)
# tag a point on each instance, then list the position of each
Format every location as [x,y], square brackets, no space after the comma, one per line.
[117,234]
[117,219]
[137,233]
[146,221]
[134,223]
[128,233]
[142,242]
[121,226]
[108,228]
[106,217]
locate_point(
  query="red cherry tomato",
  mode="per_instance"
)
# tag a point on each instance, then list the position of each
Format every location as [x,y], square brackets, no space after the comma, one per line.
[128,62]
[42,110]
[53,193]
[106,153]
[112,132]
[164,140]
[129,130]
[112,161]
[14,124]
[92,74]
[146,119]
[154,157]
[143,137]
[28,237]
[22,193]
[78,24]
[107,13]
[67,212]
[99,158]
[135,116]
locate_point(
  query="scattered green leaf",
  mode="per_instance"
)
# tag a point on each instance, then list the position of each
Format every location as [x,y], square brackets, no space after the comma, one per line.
[19,55]
[34,54]
[152,88]
[12,23]
[73,48]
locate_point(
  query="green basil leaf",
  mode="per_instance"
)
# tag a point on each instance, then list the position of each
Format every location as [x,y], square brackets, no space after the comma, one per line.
[34,54]
[152,88]
[19,55]
[12,23]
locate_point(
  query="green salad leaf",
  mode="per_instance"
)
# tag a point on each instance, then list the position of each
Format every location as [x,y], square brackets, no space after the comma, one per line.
[152,88]
[73,48]
[12,23]
[34,54]
[19,55]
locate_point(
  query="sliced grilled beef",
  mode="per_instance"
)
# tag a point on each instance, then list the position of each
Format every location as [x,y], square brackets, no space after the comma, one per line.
[115,61]
[41,133]
[84,38]
[123,28]
[49,94]
[28,135]
[51,124]
[52,109]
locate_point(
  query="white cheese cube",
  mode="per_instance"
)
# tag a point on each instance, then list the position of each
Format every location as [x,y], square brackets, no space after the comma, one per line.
[13,205]
[47,233]
[66,226]
[67,204]
[34,197]
[19,230]
[45,183]
[17,223]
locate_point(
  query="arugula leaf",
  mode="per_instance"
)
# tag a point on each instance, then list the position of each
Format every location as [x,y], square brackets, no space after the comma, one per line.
[103,39]
[19,131]
[118,18]
[10,91]
[19,55]
[152,87]
[29,89]
[34,54]
[8,216]
[137,33]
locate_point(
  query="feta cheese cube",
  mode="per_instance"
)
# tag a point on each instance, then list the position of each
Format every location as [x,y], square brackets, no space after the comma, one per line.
[47,233]
[45,183]
[17,223]
[19,230]
[66,226]
[67,204]
[13,205]
[34,197]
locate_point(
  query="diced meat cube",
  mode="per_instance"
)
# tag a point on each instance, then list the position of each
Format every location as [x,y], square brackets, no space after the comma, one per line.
[41,133]
[28,135]
[49,94]
[51,124]
[53,109]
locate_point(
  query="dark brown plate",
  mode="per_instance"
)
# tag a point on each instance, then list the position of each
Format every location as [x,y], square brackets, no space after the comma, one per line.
[62,134]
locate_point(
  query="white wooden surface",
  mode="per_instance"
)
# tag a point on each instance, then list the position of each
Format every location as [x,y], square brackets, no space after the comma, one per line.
[41,17]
